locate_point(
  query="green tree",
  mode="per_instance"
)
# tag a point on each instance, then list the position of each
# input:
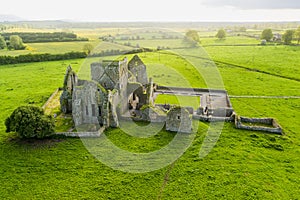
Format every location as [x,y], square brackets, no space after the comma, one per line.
[221,34]
[192,38]
[288,36]
[88,48]
[267,34]
[2,43]
[297,34]
[30,122]
[15,42]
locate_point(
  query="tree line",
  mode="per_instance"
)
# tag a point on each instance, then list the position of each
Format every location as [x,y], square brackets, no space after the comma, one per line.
[6,60]
[45,37]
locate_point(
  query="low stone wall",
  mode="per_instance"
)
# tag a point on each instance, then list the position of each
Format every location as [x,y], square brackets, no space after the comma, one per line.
[80,134]
[199,90]
[210,118]
[50,99]
[83,134]
[268,121]
[218,112]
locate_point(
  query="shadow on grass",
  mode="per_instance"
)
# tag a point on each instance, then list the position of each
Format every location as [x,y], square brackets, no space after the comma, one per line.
[33,143]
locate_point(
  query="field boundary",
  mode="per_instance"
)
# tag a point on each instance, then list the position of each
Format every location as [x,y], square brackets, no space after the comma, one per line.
[263,97]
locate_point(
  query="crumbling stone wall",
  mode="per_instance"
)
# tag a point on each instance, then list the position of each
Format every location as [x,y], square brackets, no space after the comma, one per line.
[138,69]
[90,104]
[179,120]
[152,114]
[106,74]
[113,99]
[113,75]
[70,81]
[259,127]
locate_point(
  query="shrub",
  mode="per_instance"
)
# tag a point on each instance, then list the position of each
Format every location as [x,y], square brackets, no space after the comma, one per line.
[30,122]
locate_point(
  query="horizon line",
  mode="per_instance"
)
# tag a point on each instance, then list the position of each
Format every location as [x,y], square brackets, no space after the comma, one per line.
[149,21]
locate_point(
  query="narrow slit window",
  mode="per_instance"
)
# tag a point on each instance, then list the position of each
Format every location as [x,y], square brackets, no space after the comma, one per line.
[93,110]
[86,110]
[99,108]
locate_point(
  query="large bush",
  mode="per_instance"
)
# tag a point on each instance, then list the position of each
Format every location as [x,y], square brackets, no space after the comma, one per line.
[30,122]
[16,43]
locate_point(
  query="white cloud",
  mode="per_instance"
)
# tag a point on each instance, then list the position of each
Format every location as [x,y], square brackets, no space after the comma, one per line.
[256,4]
[154,10]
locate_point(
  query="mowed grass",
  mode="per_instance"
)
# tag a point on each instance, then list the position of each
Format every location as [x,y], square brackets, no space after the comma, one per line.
[155,43]
[193,102]
[64,47]
[243,164]
[278,60]
[244,82]
[49,47]
[230,40]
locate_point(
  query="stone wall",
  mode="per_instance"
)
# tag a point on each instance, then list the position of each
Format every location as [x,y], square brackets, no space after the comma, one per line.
[83,134]
[179,120]
[80,134]
[259,127]
[113,100]
[89,104]
[152,114]
[138,69]
[70,81]
[50,99]
[205,118]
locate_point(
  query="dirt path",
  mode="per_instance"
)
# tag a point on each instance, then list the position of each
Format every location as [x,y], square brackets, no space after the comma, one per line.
[166,179]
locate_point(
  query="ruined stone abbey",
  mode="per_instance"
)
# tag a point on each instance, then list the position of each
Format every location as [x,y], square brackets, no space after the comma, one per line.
[121,90]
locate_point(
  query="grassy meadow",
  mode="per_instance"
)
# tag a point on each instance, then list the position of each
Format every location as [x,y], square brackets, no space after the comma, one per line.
[279,60]
[242,165]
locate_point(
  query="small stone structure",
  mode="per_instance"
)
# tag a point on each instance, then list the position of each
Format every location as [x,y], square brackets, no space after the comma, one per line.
[121,90]
[258,124]
[179,120]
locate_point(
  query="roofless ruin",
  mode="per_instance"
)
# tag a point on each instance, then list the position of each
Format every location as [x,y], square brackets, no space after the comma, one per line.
[121,90]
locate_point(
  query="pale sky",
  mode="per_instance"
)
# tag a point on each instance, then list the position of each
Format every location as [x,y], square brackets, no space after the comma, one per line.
[154,10]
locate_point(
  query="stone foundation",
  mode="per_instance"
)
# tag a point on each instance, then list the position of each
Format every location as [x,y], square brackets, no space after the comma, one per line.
[276,128]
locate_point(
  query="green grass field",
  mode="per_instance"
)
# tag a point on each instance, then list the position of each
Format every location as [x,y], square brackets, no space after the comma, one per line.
[63,47]
[242,165]
[278,60]
[230,40]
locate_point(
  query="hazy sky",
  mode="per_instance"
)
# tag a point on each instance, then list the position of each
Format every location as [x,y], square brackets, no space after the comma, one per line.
[154,10]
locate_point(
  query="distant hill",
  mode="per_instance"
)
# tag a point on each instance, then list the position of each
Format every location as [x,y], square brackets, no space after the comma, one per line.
[10,18]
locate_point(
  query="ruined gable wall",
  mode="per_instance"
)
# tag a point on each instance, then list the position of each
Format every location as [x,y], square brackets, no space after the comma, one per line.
[138,69]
